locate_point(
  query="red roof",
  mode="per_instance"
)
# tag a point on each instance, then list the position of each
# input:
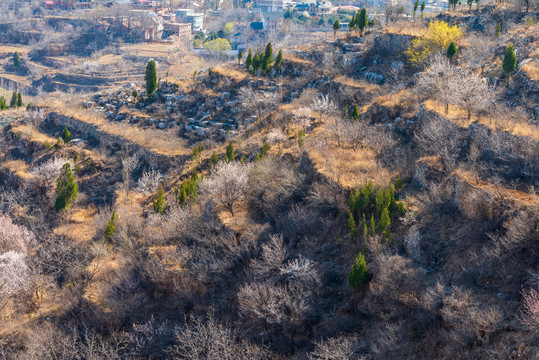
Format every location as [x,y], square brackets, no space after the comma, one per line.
[49,2]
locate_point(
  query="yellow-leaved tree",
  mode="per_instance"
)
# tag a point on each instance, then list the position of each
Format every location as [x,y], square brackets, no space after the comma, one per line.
[439,35]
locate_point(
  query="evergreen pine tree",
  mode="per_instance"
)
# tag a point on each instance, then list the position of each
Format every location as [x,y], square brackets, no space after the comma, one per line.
[13,101]
[249,60]
[278,61]
[384,223]
[379,201]
[372,226]
[265,148]
[416,5]
[214,159]
[498,29]
[150,78]
[182,195]
[19,100]
[268,56]
[422,8]
[229,156]
[352,23]
[355,113]
[159,201]
[110,230]
[66,189]
[451,50]
[398,183]
[336,27]
[3,105]
[66,135]
[509,61]
[352,226]
[365,228]
[256,63]
[362,22]
[16,59]
[240,55]
[358,273]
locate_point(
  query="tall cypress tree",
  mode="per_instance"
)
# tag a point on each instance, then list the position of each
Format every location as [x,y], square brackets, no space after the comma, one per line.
[13,101]
[268,54]
[17,59]
[255,63]
[151,78]
[336,27]
[229,156]
[362,21]
[249,60]
[279,60]
[416,5]
[352,23]
[66,189]
[355,113]
[240,55]
[509,61]
[159,201]
[451,50]
[19,100]
[422,8]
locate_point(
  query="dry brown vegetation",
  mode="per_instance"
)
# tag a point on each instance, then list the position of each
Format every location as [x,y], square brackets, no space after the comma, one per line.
[174,251]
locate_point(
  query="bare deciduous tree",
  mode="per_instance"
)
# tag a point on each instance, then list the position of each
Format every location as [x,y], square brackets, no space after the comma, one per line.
[149,181]
[213,341]
[302,117]
[14,275]
[227,183]
[338,348]
[14,237]
[440,137]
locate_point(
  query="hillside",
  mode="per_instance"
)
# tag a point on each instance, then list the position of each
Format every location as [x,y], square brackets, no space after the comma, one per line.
[370,198]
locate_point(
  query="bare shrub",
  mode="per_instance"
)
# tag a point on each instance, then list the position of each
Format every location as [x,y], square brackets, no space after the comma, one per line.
[529,315]
[395,276]
[276,136]
[274,304]
[303,223]
[272,183]
[150,338]
[412,242]
[35,116]
[227,183]
[337,348]
[149,182]
[128,165]
[257,101]
[274,255]
[439,137]
[302,117]
[209,340]
[14,237]
[301,274]
[466,319]
[326,195]
[324,106]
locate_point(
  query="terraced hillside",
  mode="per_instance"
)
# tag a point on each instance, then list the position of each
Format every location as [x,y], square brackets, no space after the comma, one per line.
[352,203]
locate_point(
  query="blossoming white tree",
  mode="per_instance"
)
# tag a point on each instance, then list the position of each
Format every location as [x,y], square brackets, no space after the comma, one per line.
[227,183]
